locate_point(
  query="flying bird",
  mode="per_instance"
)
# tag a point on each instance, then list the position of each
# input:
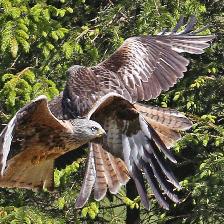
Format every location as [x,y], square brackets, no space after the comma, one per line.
[33,139]
[139,136]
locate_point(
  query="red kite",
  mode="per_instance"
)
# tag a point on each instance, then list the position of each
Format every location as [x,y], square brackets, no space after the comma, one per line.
[139,135]
[33,139]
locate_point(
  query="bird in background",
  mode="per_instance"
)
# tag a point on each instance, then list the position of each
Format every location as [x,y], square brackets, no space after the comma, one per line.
[139,136]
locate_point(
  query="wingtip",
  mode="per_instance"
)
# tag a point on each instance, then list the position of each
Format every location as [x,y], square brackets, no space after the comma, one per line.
[80,202]
[41,97]
[171,158]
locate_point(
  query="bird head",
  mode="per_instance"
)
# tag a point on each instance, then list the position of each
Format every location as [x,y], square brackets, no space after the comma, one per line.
[87,129]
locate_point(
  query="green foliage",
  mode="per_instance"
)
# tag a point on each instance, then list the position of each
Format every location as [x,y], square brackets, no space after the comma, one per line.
[92,210]
[20,88]
[61,176]
[131,203]
[39,40]
[25,215]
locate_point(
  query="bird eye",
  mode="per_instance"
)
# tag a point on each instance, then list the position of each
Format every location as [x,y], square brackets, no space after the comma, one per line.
[94,128]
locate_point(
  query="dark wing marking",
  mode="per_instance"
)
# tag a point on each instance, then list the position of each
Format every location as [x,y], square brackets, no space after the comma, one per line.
[36,112]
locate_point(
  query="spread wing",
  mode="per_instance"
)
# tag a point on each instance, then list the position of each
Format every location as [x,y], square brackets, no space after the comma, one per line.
[139,70]
[23,140]
[140,136]
[148,65]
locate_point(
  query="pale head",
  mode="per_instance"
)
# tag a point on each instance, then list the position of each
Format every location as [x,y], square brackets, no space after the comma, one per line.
[87,129]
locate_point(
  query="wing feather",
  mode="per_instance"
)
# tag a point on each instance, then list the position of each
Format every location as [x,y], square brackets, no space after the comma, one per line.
[88,182]
[103,171]
[22,174]
[140,69]
[35,112]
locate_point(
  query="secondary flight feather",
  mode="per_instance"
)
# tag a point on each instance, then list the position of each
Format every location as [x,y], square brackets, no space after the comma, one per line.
[33,139]
[138,136]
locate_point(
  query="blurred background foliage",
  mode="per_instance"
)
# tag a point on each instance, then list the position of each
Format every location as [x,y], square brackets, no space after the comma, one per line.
[41,39]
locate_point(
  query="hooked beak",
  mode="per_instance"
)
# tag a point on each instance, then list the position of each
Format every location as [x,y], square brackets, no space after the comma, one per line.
[101,132]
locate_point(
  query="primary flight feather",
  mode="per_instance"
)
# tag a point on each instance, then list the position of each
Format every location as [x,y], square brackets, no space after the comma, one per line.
[138,136]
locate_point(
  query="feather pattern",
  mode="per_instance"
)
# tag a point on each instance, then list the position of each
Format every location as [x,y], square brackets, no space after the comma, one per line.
[88,182]
[164,116]
[142,153]
[33,139]
[166,122]
[131,138]
[23,174]
[29,113]
[140,69]
[103,172]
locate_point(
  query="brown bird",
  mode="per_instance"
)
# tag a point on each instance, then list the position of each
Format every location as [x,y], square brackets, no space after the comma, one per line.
[33,139]
[138,136]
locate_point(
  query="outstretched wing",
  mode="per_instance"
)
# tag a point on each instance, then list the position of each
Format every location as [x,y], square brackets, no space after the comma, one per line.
[23,138]
[138,70]
[140,136]
[148,65]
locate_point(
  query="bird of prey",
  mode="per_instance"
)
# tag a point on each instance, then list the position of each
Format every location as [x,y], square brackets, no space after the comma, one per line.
[138,136]
[33,139]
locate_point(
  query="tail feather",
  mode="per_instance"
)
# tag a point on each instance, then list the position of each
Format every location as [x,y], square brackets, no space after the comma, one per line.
[166,122]
[167,135]
[88,182]
[112,177]
[100,186]
[110,171]
[103,170]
